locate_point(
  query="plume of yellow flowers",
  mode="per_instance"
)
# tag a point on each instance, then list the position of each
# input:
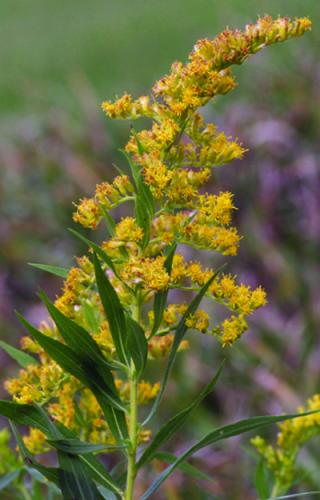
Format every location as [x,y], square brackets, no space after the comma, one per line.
[172,161]
[281,458]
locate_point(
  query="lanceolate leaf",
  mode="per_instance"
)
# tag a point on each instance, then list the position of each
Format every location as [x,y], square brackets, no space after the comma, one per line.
[176,422]
[188,469]
[21,357]
[74,481]
[95,468]
[59,433]
[144,208]
[76,447]
[114,312]
[219,434]
[60,353]
[7,479]
[80,341]
[28,415]
[261,480]
[62,272]
[98,250]
[98,473]
[160,298]
[137,345]
[179,334]
[73,364]
[50,473]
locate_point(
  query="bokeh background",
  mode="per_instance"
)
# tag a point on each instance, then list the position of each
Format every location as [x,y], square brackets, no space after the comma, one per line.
[58,61]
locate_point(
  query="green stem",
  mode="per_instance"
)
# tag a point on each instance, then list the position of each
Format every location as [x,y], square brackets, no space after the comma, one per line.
[25,494]
[133,438]
[277,490]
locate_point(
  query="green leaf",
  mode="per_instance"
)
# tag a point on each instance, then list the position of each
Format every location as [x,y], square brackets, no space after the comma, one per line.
[50,473]
[95,468]
[76,447]
[7,479]
[28,415]
[60,353]
[219,434]
[144,206]
[73,364]
[137,345]
[110,223]
[188,469]
[99,474]
[261,480]
[75,467]
[176,422]
[179,334]
[141,149]
[40,478]
[35,416]
[21,357]
[74,481]
[98,250]
[114,312]
[160,298]
[62,272]
[89,313]
[80,342]
[296,495]
[107,495]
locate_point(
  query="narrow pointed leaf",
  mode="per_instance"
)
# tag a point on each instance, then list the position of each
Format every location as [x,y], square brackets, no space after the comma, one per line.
[74,481]
[296,495]
[71,363]
[219,434]
[110,222]
[176,422]
[114,312]
[95,468]
[261,480]
[178,337]
[98,250]
[60,353]
[98,473]
[40,478]
[80,341]
[76,447]
[160,298]
[137,345]
[62,272]
[7,479]
[25,414]
[144,206]
[50,473]
[106,494]
[22,358]
[90,316]
[188,469]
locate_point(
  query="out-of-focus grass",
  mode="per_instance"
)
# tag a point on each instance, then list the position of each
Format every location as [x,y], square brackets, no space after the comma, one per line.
[117,45]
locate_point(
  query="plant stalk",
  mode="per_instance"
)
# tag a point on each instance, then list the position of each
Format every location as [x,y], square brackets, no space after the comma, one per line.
[133,431]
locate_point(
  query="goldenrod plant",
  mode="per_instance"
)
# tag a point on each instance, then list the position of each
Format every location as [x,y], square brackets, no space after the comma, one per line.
[281,459]
[82,382]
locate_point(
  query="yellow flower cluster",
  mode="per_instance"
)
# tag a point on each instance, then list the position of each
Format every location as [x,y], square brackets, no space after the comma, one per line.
[160,346]
[281,458]
[149,273]
[170,163]
[90,211]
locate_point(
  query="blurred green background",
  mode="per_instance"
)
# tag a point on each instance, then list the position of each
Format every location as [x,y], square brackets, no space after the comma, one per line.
[45,47]
[58,61]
